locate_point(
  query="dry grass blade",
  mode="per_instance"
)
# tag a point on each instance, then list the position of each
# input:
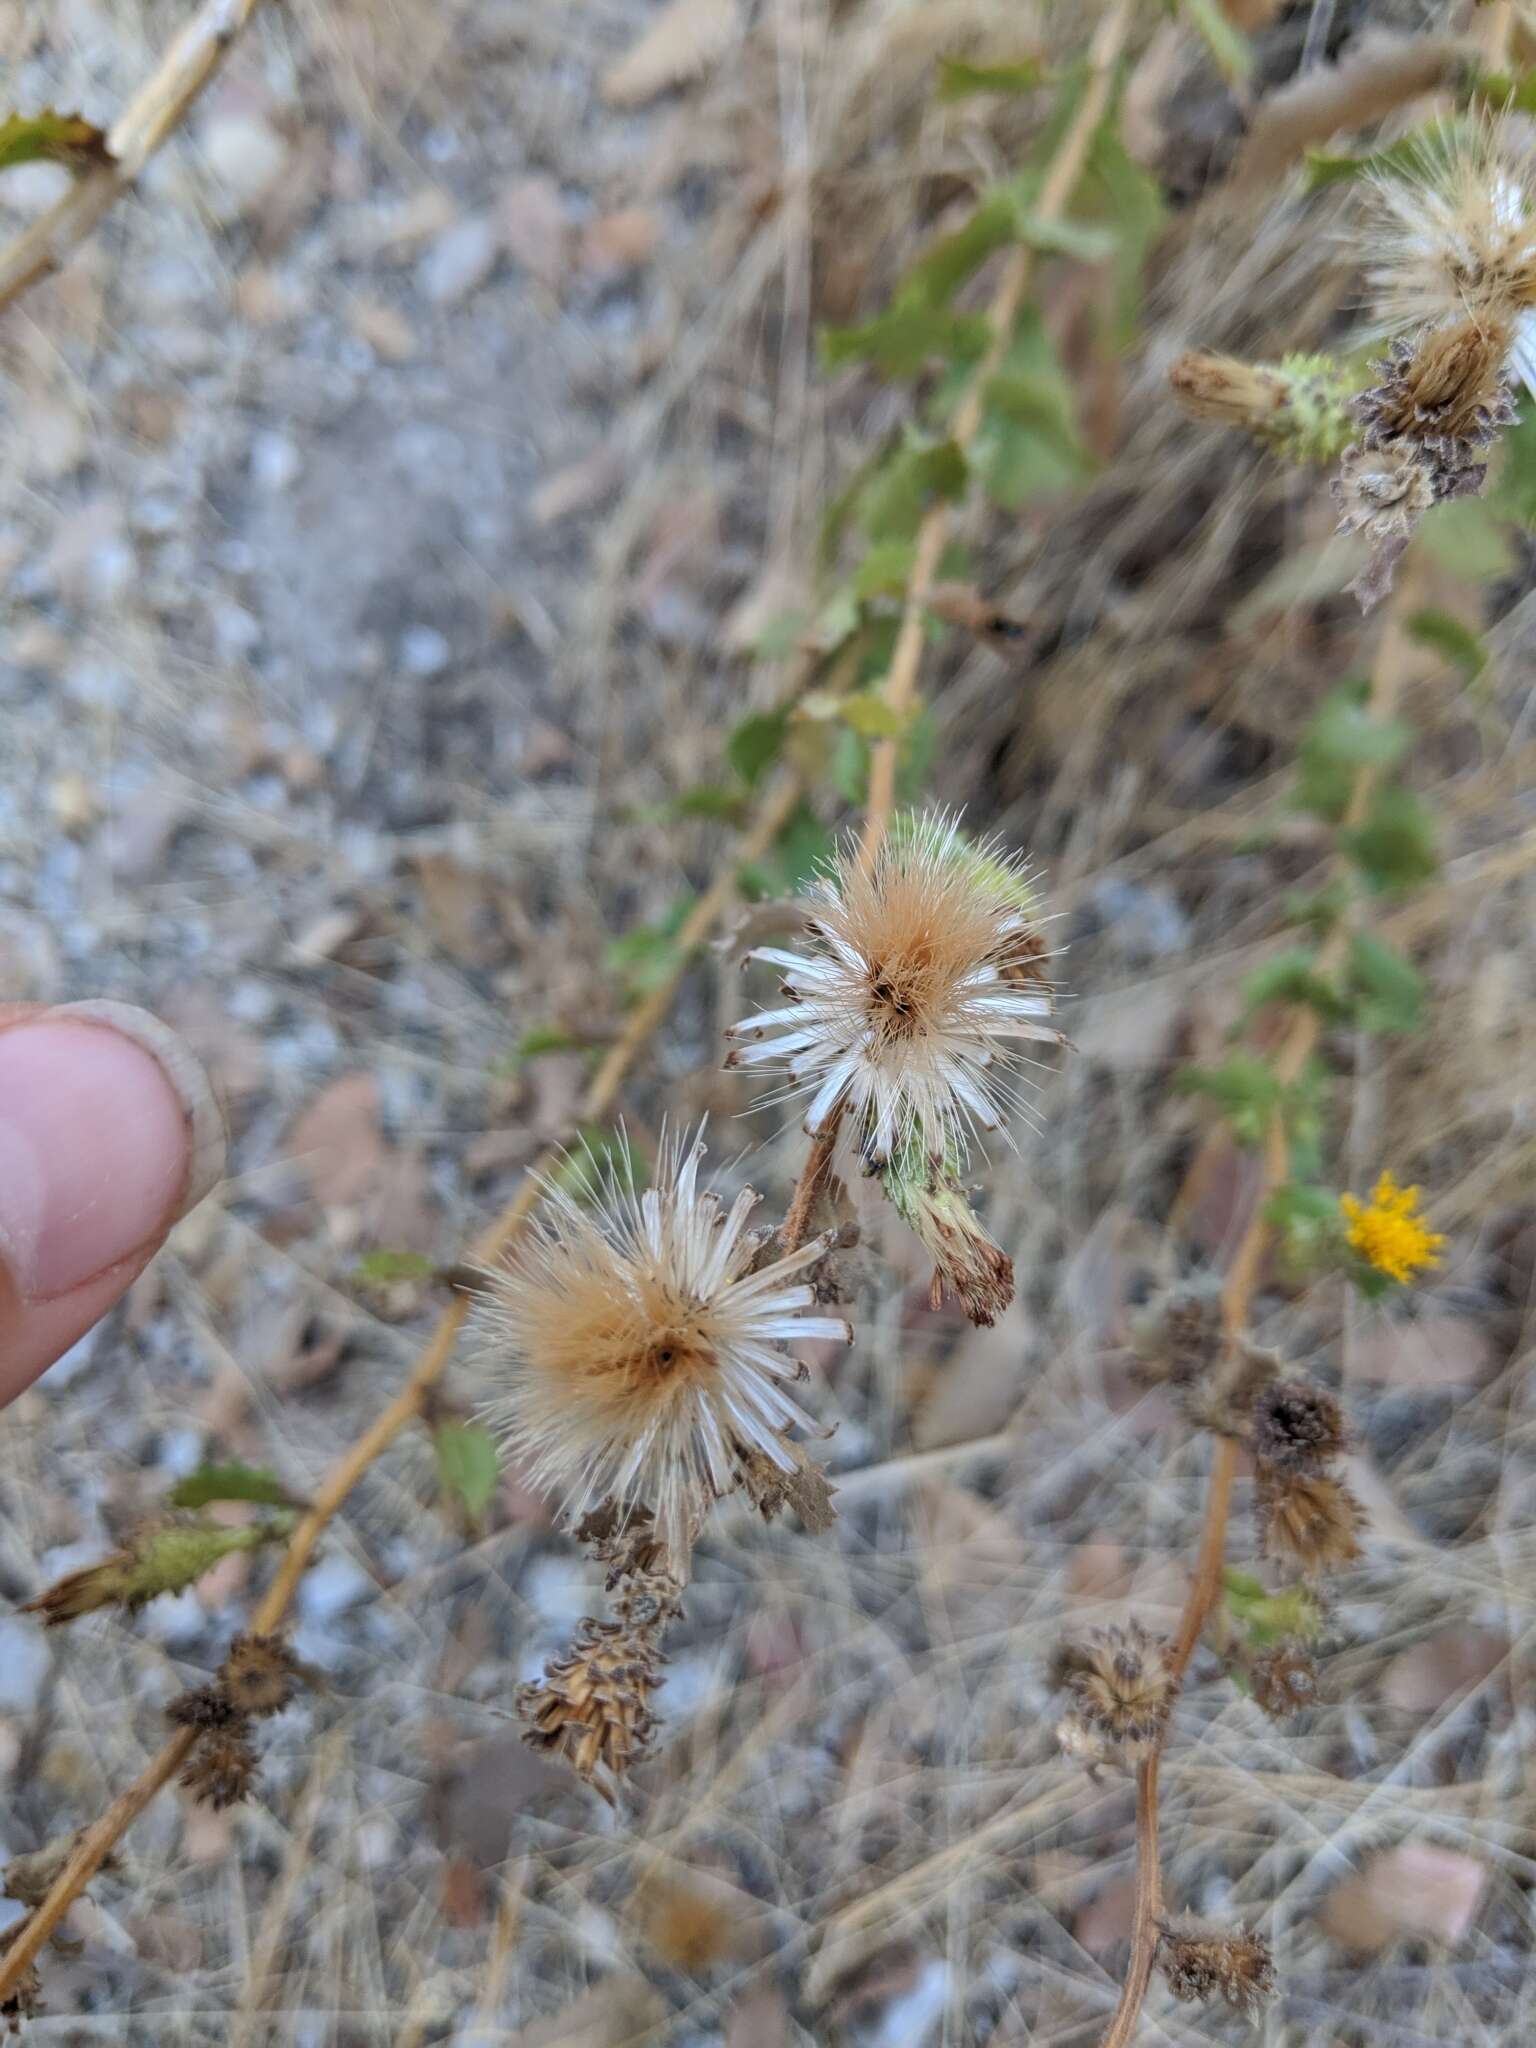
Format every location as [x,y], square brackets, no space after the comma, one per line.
[681,43]
[154,113]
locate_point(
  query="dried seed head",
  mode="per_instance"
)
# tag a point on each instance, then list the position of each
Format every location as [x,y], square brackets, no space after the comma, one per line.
[1123,1685]
[1227,391]
[806,1490]
[1310,1519]
[1201,1963]
[260,1674]
[222,1768]
[1084,1745]
[1446,390]
[1181,1339]
[1297,1427]
[1456,237]
[1284,1680]
[930,962]
[593,1706]
[203,1706]
[930,1197]
[1383,492]
[636,1355]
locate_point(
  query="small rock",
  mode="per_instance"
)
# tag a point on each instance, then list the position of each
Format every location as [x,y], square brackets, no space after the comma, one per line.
[424,651]
[24,1661]
[458,262]
[335,1584]
[247,155]
[275,462]
[533,227]
[1141,923]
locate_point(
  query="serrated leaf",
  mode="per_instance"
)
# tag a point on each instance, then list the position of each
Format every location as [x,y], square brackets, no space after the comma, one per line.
[945,265]
[383,1268]
[1451,637]
[1388,989]
[892,504]
[885,570]
[1292,977]
[1231,52]
[958,80]
[756,743]
[1401,159]
[1027,445]
[230,1482]
[1344,737]
[468,1466]
[1395,847]
[870,716]
[902,341]
[51,137]
[1247,1091]
[1466,536]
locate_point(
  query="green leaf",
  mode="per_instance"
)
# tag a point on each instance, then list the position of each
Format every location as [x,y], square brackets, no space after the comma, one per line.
[230,1482]
[1321,910]
[1388,989]
[885,570]
[1395,847]
[1467,537]
[914,758]
[940,271]
[51,137]
[1343,738]
[1269,1618]
[1306,1215]
[1087,241]
[902,341]
[1504,92]
[707,800]
[870,716]
[1231,52]
[1027,445]
[384,1268]
[1133,200]
[1292,977]
[850,766]
[645,957]
[468,1466]
[892,504]
[1247,1091]
[1452,638]
[958,80]
[1401,159]
[781,635]
[756,743]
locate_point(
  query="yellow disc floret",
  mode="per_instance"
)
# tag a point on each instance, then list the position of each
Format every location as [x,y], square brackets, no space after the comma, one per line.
[1388,1232]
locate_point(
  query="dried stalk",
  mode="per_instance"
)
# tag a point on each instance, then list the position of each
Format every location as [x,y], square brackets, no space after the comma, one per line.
[933,535]
[97,1842]
[1296,1048]
[813,1178]
[155,112]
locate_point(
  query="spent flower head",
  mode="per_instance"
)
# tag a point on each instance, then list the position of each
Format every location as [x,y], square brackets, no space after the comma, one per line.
[929,960]
[1388,1232]
[633,1354]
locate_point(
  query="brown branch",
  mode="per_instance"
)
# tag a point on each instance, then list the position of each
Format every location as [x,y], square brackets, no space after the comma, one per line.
[156,110]
[933,535]
[1242,1276]
[97,1842]
[814,1176]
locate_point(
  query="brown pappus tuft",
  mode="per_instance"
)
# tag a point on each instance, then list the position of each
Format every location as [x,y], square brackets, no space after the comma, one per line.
[202,1706]
[1201,1963]
[1297,1427]
[1311,1519]
[222,1768]
[1448,390]
[259,1675]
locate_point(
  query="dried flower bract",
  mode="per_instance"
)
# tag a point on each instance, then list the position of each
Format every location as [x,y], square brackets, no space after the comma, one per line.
[1297,1427]
[635,1358]
[222,1768]
[1201,1963]
[1123,1685]
[1284,1680]
[1313,1521]
[929,962]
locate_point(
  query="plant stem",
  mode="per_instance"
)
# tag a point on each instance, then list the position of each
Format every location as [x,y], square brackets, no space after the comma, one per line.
[1242,1276]
[1056,192]
[813,1178]
[100,1838]
[156,110]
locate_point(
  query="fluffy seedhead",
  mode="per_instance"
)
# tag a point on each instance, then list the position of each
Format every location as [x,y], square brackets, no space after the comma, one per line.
[1284,1680]
[1297,1427]
[222,1768]
[1311,1520]
[260,1674]
[1200,1963]
[635,1357]
[1455,238]
[1122,1684]
[929,961]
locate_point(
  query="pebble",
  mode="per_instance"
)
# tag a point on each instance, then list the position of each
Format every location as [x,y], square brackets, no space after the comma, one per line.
[275,461]
[424,651]
[24,1661]
[1141,923]
[247,155]
[458,262]
[335,1584]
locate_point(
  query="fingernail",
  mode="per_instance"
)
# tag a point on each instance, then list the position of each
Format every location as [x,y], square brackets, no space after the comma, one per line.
[109,1132]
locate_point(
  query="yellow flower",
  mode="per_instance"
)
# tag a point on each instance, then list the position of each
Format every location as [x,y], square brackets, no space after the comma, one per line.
[1387,1230]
